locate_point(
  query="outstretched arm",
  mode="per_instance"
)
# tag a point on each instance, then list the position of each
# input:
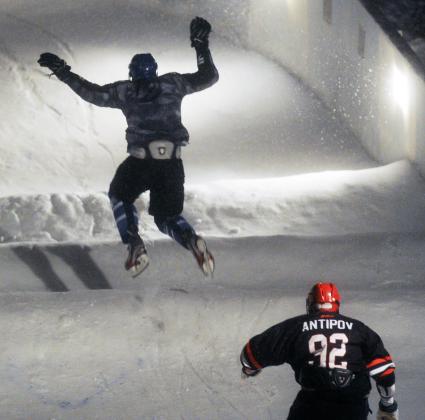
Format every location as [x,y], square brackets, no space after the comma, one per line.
[250,365]
[265,349]
[106,96]
[207,73]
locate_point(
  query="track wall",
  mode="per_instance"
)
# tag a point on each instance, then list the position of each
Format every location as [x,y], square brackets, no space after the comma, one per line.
[338,49]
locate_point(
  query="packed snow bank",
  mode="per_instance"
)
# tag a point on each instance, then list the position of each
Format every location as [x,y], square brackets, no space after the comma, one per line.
[385,199]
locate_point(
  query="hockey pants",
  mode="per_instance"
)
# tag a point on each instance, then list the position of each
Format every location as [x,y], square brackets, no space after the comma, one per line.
[310,405]
[164,179]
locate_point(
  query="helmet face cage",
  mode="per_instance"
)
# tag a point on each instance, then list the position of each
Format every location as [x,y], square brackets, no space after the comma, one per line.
[323,297]
[142,67]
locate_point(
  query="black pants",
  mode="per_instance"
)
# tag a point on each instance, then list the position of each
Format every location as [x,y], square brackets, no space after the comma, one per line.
[164,179]
[311,405]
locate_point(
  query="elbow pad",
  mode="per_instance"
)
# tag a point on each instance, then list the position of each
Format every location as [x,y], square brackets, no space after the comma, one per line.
[387,394]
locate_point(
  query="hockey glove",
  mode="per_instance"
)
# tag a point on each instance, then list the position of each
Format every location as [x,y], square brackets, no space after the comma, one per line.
[54,63]
[248,372]
[199,32]
[389,412]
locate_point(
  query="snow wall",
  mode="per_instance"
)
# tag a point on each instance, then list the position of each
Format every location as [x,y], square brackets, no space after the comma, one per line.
[335,47]
[373,83]
[343,54]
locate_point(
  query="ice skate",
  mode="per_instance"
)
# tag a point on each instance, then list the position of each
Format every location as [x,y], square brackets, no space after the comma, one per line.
[137,260]
[203,256]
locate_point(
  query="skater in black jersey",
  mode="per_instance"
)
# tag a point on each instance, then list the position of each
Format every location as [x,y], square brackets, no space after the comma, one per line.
[333,358]
[155,135]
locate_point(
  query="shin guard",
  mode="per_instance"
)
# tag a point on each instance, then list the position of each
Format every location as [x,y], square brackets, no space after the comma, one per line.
[126,216]
[177,227]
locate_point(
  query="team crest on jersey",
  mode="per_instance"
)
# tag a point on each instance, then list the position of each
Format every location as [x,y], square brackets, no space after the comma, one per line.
[341,377]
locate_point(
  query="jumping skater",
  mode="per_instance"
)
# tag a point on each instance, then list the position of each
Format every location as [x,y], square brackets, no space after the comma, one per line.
[155,135]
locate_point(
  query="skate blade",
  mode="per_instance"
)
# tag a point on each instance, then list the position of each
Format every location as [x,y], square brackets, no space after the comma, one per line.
[140,266]
[208,261]
[208,266]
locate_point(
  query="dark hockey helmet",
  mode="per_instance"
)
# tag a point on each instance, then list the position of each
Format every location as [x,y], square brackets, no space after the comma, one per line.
[323,297]
[142,67]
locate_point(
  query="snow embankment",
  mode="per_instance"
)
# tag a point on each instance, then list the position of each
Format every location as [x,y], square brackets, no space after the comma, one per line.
[385,199]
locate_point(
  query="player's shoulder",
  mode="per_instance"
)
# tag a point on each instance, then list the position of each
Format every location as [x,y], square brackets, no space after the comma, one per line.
[357,323]
[294,321]
[283,328]
[349,319]
[120,89]
[174,82]
[345,317]
[298,318]
[119,85]
[173,76]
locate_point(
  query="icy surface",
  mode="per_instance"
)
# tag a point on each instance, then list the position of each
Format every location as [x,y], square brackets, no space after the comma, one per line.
[283,192]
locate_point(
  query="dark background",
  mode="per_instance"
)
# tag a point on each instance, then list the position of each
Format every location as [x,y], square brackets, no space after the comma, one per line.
[407,16]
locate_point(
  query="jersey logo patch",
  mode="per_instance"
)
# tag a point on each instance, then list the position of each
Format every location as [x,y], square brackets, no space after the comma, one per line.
[342,377]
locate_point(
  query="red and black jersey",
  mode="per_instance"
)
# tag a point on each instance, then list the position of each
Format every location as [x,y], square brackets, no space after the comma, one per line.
[323,340]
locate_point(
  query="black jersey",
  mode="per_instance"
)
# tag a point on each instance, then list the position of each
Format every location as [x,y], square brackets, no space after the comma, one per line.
[322,342]
[152,109]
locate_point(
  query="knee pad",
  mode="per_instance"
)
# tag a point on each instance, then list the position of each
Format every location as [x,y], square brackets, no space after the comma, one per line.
[167,222]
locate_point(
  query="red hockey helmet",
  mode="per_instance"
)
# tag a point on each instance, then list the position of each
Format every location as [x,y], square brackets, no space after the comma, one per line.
[323,297]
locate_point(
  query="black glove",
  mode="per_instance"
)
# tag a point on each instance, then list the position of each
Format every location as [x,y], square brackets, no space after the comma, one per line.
[247,372]
[199,32]
[53,62]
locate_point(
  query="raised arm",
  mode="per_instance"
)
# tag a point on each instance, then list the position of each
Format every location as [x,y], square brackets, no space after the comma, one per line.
[106,96]
[207,73]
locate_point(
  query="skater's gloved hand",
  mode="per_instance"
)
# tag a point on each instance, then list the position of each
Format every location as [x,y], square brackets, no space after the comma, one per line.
[387,412]
[54,63]
[199,32]
[248,372]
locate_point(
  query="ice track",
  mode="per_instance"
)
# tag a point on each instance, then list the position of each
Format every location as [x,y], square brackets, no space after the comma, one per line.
[166,343]
[285,263]
[81,339]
